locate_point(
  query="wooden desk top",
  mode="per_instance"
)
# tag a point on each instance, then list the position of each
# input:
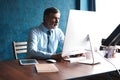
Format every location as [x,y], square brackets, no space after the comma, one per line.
[12,70]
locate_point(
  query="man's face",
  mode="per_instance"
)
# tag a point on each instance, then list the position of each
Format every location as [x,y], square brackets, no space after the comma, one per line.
[52,20]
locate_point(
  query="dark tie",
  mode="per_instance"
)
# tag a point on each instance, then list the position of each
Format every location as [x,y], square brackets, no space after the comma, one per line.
[48,37]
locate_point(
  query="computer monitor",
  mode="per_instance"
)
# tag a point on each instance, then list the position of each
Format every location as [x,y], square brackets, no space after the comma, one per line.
[79,25]
[113,39]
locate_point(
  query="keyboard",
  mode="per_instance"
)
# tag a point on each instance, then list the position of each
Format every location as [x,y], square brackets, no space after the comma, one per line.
[75,59]
[89,61]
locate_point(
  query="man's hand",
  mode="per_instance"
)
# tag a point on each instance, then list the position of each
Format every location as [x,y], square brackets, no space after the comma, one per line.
[79,55]
[57,57]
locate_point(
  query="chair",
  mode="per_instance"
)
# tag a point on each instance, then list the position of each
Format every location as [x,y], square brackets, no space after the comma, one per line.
[19,48]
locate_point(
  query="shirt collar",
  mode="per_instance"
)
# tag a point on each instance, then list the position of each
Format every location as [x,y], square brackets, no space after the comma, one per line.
[44,29]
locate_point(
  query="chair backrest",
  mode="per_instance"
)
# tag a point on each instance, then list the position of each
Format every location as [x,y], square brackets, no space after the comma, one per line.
[19,48]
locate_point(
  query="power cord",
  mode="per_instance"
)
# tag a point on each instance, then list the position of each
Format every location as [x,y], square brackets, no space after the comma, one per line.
[110,63]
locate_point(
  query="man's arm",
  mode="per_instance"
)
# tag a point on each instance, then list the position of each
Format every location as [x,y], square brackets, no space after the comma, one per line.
[61,41]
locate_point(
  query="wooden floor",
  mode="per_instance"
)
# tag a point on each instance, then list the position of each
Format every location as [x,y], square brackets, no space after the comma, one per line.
[106,76]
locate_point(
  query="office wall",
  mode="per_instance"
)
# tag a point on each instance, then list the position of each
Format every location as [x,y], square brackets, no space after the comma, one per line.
[18,16]
[108,16]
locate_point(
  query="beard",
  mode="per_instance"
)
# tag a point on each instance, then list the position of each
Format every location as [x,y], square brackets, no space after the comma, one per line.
[53,26]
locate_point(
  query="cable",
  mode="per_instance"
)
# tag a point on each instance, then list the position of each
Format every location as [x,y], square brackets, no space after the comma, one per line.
[110,63]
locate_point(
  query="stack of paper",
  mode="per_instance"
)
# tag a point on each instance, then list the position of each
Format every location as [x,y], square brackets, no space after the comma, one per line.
[46,68]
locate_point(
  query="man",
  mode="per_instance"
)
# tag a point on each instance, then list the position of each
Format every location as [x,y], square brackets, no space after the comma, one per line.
[46,40]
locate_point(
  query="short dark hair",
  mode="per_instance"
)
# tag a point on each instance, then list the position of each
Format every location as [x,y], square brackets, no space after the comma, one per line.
[50,10]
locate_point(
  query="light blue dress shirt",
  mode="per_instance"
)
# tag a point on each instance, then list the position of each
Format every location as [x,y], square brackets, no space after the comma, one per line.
[37,42]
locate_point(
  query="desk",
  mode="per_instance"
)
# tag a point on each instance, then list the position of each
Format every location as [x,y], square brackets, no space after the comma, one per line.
[12,70]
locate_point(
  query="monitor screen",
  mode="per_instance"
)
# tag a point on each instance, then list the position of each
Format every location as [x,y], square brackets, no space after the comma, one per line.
[79,25]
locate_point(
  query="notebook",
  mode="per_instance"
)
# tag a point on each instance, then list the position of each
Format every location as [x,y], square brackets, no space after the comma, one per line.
[46,67]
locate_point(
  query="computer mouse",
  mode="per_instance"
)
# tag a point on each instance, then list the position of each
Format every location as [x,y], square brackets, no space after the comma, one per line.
[51,60]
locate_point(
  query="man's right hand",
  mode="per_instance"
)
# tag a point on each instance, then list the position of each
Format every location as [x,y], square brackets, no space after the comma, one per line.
[57,57]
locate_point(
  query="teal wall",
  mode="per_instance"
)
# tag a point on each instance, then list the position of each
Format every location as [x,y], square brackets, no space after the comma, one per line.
[18,16]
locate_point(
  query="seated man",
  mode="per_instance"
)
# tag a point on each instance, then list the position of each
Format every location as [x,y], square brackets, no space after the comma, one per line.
[43,41]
